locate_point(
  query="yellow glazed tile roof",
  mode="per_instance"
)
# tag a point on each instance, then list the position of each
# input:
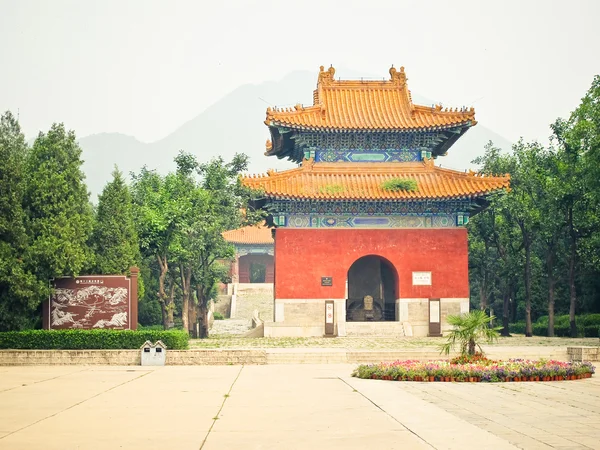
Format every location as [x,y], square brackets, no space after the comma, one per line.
[367,105]
[363,181]
[253,234]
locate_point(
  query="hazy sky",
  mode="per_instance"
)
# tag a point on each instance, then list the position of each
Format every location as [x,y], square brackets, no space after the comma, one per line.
[145,67]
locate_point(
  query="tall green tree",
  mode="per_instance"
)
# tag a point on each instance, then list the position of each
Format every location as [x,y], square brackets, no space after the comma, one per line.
[528,181]
[115,239]
[579,150]
[181,218]
[229,207]
[57,205]
[158,219]
[20,290]
[550,236]
[493,238]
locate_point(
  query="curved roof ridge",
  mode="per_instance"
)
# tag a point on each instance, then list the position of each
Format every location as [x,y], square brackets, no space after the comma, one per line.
[368,105]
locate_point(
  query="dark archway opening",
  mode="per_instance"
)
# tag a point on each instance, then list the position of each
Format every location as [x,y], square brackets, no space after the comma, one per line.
[371,276]
[256,269]
[258,272]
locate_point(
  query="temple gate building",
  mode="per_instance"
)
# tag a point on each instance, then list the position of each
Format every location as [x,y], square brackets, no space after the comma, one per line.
[253,254]
[369,232]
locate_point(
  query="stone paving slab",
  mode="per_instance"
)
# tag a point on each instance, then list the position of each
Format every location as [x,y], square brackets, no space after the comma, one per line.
[285,407]
[562,414]
[432,424]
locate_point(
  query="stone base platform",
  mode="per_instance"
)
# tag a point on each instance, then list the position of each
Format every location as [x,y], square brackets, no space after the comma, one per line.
[269,356]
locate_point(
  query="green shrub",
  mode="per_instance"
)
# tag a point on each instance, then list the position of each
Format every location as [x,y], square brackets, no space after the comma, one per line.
[589,320]
[517,327]
[399,184]
[90,339]
[588,325]
[150,327]
[591,331]
[218,316]
[543,320]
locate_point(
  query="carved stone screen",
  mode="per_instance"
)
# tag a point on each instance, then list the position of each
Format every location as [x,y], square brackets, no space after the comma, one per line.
[92,302]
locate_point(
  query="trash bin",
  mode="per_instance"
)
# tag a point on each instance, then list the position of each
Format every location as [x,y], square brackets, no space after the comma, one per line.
[154,354]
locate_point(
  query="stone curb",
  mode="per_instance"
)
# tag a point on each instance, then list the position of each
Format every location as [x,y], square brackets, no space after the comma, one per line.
[267,356]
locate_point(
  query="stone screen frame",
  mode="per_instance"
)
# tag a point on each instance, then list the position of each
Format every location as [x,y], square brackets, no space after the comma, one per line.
[93,302]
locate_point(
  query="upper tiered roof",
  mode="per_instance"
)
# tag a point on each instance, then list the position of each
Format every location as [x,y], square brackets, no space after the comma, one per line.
[367,105]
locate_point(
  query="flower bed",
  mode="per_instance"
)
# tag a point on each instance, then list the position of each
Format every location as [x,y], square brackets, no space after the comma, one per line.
[482,369]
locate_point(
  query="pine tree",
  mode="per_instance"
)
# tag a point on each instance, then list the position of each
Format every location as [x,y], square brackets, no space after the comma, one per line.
[115,239]
[57,205]
[20,291]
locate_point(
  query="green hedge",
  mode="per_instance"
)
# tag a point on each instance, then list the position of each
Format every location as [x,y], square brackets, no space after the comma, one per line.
[90,339]
[588,325]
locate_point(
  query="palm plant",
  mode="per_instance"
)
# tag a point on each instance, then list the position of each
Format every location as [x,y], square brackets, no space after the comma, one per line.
[467,330]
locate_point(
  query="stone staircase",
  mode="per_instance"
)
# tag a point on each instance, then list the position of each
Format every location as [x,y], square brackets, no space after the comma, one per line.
[390,329]
[254,296]
[223,304]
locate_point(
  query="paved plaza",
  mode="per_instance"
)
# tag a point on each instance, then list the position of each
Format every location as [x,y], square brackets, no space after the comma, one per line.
[285,407]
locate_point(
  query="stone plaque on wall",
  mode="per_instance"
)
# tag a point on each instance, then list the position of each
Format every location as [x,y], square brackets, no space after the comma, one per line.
[421,278]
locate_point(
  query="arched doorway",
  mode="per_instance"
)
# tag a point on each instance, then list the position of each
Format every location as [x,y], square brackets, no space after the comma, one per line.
[256,268]
[371,277]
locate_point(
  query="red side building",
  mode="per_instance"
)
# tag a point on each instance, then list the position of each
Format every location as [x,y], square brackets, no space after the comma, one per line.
[370,233]
[253,254]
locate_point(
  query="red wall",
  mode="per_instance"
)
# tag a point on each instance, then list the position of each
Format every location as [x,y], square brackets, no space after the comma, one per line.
[303,256]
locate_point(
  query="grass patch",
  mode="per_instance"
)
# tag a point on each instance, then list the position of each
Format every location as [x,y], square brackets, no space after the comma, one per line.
[399,184]
[331,189]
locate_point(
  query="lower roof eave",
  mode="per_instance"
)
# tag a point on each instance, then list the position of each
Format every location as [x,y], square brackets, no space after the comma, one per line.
[394,200]
[292,127]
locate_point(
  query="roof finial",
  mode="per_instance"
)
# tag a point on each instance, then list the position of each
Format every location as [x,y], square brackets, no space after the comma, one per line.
[326,77]
[398,77]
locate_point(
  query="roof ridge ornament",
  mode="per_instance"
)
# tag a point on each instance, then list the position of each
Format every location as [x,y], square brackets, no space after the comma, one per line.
[326,77]
[398,77]
[307,164]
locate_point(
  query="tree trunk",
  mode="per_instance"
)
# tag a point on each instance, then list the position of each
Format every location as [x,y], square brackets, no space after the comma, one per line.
[162,294]
[202,313]
[551,285]
[171,306]
[193,319]
[482,293]
[471,346]
[528,327]
[572,291]
[163,310]
[513,302]
[186,278]
[505,312]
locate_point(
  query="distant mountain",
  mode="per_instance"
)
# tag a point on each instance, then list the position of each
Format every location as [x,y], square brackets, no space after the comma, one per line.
[235,125]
